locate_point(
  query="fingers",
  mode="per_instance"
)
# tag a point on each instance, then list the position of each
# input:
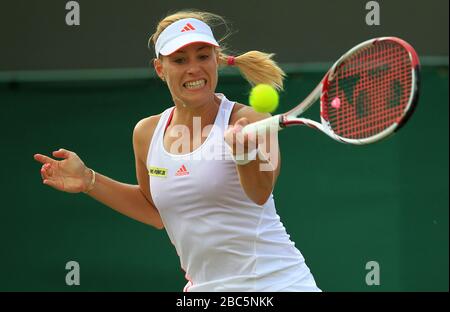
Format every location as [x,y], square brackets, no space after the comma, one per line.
[62,153]
[46,171]
[43,159]
[242,122]
[240,137]
[47,177]
[239,124]
[51,183]
[238,142]
[252,137]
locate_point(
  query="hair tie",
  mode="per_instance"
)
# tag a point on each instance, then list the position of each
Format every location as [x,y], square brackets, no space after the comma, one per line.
[230,60]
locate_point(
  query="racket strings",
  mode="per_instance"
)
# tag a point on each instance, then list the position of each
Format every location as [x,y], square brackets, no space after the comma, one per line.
[373,87]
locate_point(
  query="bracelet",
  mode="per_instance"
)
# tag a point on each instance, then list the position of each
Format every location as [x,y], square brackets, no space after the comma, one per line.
[91,185]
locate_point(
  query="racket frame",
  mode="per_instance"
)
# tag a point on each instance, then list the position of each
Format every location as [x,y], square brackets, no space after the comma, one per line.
[291,118]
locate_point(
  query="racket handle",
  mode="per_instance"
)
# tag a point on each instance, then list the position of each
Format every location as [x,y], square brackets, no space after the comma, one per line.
[262,125]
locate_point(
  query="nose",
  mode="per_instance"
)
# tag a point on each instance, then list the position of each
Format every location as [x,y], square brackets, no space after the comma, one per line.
[193,68]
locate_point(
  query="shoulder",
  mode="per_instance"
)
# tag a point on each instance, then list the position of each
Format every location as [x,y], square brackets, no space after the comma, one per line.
[241,111]
[142,135]
[145,127]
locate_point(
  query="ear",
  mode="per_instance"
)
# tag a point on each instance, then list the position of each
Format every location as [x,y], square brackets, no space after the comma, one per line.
[157,63]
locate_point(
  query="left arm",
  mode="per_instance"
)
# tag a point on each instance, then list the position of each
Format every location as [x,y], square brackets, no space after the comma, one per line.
[257,177]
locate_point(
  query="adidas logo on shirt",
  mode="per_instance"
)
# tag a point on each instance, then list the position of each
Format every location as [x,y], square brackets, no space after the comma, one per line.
[182,171]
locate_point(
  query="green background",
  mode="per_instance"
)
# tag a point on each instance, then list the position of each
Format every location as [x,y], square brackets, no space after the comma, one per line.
[342,205]
[114,34]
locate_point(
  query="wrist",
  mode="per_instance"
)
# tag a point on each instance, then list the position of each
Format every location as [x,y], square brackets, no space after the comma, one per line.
[244,158]
[90,180]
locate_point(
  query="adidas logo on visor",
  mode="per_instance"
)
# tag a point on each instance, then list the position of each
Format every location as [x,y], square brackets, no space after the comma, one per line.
[188,27]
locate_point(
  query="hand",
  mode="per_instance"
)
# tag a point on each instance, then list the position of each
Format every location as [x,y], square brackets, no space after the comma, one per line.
[68,175]
[237,141]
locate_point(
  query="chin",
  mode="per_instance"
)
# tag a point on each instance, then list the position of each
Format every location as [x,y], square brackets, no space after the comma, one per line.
[198,97]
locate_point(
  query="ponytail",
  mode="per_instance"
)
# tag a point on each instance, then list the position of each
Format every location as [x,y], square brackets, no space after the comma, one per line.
[256,67]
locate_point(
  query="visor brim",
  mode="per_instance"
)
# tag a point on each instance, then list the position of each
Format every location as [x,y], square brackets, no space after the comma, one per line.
[183,41]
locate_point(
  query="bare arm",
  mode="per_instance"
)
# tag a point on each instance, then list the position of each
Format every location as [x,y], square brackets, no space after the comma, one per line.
[259,176]
[134,201]
[127,199]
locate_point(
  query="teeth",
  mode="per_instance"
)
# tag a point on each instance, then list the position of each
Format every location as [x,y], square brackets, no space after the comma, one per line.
[195,84]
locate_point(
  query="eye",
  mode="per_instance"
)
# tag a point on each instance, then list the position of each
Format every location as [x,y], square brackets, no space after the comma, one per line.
[179,60]
[203,57]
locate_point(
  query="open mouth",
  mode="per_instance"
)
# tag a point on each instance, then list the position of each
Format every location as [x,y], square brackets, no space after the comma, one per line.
[194,85]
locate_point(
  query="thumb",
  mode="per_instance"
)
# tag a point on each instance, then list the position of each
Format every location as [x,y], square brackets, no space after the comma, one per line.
[61,153]
[242,122]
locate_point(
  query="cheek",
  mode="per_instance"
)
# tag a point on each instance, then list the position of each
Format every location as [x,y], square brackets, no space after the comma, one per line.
[171,77]
[171,83]
[214,82]
[214,76]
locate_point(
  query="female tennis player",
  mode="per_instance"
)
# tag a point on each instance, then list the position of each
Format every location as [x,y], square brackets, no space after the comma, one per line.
[206,188]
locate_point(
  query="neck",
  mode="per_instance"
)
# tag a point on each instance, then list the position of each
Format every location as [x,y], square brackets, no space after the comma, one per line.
[184,114]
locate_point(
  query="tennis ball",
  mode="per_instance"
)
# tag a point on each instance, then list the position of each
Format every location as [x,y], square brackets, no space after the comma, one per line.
[264,98]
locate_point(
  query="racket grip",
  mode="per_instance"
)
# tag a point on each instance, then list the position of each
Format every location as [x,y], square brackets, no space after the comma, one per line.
[263,125]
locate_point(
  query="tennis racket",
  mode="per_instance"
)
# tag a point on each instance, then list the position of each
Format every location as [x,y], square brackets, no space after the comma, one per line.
[367,95]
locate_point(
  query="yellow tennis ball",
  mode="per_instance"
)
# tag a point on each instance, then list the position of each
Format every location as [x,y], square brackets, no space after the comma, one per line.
[264,98]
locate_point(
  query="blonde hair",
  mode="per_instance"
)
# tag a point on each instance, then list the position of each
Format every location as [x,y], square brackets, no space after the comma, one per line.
[256,67]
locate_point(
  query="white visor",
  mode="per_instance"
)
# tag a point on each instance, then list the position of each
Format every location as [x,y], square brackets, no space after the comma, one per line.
[182,33]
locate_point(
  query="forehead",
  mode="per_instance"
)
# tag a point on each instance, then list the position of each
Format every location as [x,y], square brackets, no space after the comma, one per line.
[194,47]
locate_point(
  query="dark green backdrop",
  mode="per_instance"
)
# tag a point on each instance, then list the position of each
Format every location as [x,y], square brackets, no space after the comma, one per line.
[342,205]
[113,34]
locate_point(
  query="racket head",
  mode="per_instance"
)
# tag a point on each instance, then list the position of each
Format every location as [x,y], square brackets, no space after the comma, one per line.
[371,91]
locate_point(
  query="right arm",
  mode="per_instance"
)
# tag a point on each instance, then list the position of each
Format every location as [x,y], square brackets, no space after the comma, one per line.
[134,201]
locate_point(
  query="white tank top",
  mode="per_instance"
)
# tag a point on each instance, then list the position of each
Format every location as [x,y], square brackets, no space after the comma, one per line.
[224,240]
